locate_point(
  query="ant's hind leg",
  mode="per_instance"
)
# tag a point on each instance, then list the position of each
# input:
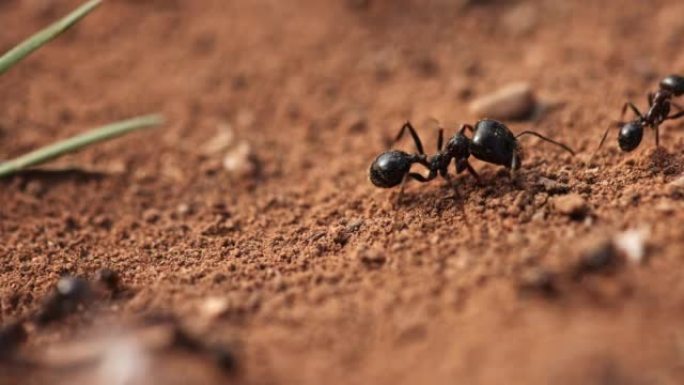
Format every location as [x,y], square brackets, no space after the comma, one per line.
[515,165]
[417,177]
[605,135]
[416,139]
[675,116]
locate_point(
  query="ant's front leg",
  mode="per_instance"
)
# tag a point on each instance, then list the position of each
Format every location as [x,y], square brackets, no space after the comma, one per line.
[417,177]
[463,165]
[650,98]
[416,139]
[634,109]
[452,184]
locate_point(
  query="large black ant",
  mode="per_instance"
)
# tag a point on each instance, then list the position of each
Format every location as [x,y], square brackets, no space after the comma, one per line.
[492,142]
[659,104]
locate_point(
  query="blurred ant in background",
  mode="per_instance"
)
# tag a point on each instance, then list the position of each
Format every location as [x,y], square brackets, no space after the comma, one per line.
[659,103]
[492,142]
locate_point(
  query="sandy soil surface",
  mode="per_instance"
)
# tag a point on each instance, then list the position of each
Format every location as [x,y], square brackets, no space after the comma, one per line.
[248,222]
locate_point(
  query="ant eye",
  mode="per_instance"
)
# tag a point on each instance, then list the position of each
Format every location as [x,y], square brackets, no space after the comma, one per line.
[630,136]
[389,169]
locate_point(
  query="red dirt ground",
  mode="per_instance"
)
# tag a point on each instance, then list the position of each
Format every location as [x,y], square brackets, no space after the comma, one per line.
[322,278]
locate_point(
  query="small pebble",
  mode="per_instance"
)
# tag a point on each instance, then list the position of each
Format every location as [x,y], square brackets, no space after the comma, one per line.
[538,280]
[109,279]
[572,205]
[214,307]
[241,160]
[633,244]
[515,101]
[371,257]
[676,187]
[553,187]
[220,142]
[11,336]
[151,215]
[601,259]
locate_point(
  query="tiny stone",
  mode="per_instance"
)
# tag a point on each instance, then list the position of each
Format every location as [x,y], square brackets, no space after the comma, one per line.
[11,336]
[151,215]
[633,244]
[109,278]
[676,187]
[538,279]
[603,258]
[371,257]
[241,160]
[183,209]
[515,101]
[572,205]
[553,187]
[214,307]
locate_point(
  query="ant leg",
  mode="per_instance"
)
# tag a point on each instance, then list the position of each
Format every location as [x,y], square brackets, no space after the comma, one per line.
[453,185]
[650,99]
[634,109]
[468,126]
[675,116]
[465,165]
[671,117]
[440,139]
[414,135]
[515,165]
[605,134]
[417,177]
[474,173]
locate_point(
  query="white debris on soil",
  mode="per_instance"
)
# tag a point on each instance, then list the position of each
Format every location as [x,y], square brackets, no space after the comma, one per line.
[515,101]
[214,307]
[240,160]
[632,243]
[220,142]
[124,362]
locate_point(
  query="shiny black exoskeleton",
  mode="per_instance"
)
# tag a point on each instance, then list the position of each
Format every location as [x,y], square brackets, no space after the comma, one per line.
[492,142]
[660,102]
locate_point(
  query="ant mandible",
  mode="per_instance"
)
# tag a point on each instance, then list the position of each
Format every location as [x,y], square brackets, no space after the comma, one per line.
[659,104]
[492,142]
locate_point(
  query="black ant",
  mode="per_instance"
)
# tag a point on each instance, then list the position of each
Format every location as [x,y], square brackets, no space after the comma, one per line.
[492,142]
[659,104]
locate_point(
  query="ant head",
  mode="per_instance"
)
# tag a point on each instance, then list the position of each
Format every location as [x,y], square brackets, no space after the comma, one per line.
[674,84]
[458,146]
[631,134]
[390,168]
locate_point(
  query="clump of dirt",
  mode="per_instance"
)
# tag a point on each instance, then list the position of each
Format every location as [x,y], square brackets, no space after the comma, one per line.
[312,271]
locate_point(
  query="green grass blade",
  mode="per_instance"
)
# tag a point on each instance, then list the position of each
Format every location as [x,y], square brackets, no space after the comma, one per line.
[24,49]
[78,142]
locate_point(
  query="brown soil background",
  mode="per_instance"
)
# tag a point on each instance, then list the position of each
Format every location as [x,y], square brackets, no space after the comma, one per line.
[316,88]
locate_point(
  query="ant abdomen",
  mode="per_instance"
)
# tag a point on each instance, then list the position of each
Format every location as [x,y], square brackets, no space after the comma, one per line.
[630,136]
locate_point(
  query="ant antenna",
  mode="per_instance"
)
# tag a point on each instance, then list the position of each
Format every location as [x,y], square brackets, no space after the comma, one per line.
[540,136]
